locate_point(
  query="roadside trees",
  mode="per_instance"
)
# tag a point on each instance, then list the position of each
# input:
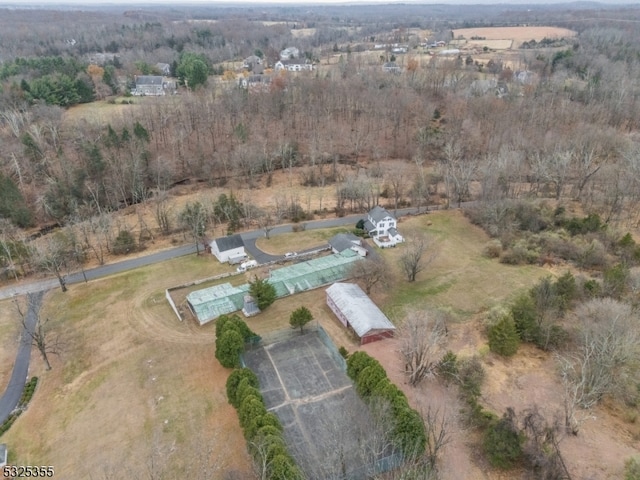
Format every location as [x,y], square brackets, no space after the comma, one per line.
[194,218]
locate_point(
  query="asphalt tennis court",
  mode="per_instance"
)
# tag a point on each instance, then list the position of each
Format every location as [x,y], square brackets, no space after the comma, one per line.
[324,420]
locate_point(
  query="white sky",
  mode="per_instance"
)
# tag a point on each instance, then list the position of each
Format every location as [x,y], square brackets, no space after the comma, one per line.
[182,4]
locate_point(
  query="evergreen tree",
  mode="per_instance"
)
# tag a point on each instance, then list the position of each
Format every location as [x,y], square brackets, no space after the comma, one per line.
[300,317]
[263,292]
[503,337]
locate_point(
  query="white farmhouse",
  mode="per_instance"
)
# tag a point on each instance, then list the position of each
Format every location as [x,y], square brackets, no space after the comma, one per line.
[381,226]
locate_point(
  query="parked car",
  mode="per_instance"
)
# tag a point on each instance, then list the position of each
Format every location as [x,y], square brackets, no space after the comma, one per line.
[244,266]
[290,254]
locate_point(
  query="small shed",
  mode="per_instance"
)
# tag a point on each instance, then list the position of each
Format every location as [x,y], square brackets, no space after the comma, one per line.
[227,248]
[357,311]
[3,454]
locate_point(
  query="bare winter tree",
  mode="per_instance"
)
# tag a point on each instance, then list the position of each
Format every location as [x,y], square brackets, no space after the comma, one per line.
[39,331]
[370,272]
[542,446]
[162,213]
[606,359]
[419,253]
[436,424]
[53,255]
[422,336]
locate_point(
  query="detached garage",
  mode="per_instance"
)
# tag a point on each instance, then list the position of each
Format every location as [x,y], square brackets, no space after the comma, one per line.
[355,310]
[226,249]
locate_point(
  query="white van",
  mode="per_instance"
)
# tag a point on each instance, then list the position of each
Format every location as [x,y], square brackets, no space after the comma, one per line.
[248,265]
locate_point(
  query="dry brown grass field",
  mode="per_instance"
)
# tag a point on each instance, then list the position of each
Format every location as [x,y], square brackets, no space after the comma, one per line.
[517,34]
[136,389]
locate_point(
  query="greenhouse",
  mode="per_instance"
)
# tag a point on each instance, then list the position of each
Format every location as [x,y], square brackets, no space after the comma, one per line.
[209,303]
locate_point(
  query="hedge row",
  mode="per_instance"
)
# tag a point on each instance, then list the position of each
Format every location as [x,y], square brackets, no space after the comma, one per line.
[262,429]
[231,335]
[27,393]
[372,384]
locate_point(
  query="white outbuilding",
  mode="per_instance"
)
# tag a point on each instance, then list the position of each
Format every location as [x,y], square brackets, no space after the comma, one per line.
[228,249]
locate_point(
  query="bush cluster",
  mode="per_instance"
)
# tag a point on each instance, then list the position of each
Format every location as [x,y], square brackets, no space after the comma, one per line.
[372,384]
[124,243]
[231,335]
[535,312]
[526,233]
[262,430]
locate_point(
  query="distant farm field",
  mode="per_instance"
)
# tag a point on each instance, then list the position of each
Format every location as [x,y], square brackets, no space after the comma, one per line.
[517,34]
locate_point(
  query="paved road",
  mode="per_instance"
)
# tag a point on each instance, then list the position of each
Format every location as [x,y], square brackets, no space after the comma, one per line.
[249,239]
[12,394]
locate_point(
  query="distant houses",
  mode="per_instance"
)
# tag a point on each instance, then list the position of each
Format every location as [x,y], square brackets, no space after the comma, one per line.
[289,53]
[152,85]
[294,65]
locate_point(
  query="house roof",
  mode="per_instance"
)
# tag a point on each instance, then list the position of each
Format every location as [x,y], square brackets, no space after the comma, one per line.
[344,241]
[378,213]
[392,231]
[368,226]
[363,315]
[229,243]
[149,80]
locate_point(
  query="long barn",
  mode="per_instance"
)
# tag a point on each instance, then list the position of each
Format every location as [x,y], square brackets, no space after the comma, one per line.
[357,311]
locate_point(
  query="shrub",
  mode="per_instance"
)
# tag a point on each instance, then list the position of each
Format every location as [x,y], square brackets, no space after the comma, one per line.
[592,255]
[503,442]
[124,243]
[368,378]
[409,433]
[615,280]
[233,384]
[228,348]
[519,254]
[234,322]
[448,366]
[591,288]
[632,469]
[357,362]
[493,249]
[344,353]
[590,223]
